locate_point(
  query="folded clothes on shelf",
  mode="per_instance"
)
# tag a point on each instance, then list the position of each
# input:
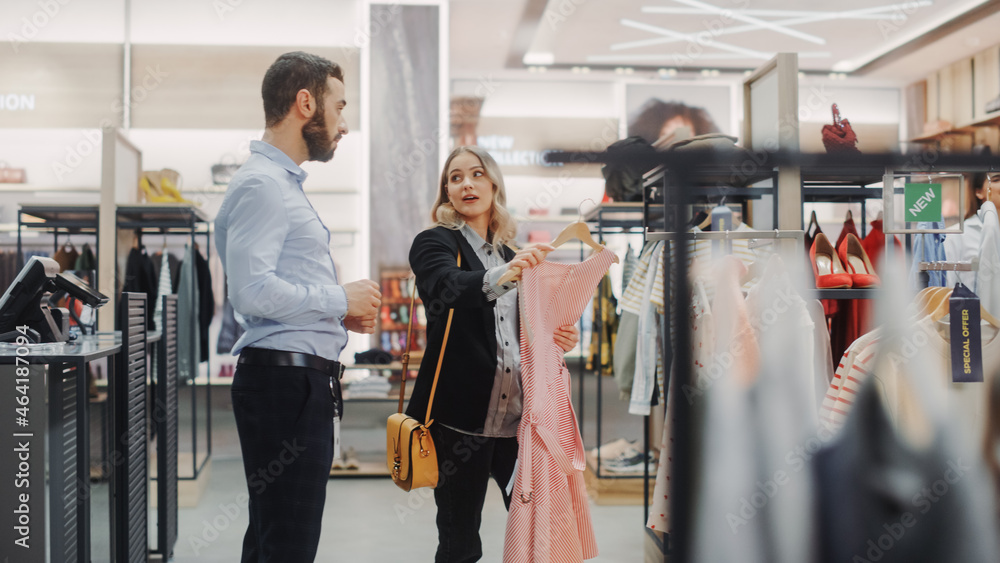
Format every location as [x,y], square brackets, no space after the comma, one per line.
[622,456]
[373,386]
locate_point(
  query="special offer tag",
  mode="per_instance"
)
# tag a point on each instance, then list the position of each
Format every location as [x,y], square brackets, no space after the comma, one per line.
[966,340]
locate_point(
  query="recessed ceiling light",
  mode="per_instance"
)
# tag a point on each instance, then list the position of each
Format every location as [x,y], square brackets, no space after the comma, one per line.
[538,58]
[629,70]
[585,69]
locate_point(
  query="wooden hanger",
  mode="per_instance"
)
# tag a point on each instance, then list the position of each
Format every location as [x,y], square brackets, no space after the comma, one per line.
[920,301]
[576,230]
[937,305]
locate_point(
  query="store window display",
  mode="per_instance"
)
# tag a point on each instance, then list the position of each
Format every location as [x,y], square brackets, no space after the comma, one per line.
[478,398]
[283,286]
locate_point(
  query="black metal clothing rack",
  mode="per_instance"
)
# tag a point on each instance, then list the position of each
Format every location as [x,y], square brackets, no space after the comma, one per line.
[683,175]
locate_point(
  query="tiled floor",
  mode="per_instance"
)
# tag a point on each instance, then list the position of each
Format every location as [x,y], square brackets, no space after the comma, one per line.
[370,520]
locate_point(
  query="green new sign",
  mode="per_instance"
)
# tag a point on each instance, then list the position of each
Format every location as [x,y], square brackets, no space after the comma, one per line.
[923,202]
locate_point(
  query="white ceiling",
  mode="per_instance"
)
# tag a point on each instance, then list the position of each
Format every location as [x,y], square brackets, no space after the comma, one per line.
[841,36]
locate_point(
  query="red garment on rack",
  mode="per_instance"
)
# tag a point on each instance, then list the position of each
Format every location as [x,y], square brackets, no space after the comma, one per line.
[549,519]
[842,315]
[874,246]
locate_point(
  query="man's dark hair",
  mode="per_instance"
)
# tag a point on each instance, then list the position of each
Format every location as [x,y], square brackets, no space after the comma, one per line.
[291,73]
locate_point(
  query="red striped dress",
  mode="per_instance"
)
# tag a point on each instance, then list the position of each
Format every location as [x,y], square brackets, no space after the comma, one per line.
[549,519]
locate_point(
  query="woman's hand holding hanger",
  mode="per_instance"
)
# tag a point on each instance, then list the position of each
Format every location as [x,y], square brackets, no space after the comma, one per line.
[529,256]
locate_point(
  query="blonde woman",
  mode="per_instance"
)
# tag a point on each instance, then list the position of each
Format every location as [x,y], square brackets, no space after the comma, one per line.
[477,403]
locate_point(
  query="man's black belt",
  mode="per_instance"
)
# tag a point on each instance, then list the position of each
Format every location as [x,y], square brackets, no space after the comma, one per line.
[280,358]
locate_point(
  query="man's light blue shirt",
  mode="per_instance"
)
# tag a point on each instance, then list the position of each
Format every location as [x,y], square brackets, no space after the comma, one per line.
[275,251]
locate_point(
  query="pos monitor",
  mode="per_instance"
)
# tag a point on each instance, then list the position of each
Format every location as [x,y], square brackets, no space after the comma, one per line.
[21,305]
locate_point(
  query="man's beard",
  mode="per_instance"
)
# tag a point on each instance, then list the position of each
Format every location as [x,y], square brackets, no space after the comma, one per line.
[317,137]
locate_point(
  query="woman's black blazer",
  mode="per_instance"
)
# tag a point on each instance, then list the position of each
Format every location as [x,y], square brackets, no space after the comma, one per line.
[466,381]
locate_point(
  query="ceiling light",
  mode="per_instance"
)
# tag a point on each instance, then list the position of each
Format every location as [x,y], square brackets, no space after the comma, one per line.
[672,72]
[747,72]
[629,70]
[706,72]
[715,72]
[619,70]
[662,72]
[538,58]
[575,70]
[584,69]
[542,69]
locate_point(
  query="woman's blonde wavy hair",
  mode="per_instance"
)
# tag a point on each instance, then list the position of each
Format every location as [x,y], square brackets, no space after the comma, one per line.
[502,228]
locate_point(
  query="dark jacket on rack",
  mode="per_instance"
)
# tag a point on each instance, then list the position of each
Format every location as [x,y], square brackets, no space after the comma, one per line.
[140,277]
[463,392]
[206,302]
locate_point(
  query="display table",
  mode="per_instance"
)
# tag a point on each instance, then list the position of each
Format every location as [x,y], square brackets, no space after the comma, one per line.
[45,429]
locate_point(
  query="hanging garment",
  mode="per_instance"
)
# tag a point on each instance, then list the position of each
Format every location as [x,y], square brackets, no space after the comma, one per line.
[66,257]
[549,519]
[928,247]
[963,247]
[824,364]
[634,300]
[842,315]
[874,244]
[605,331]
[965,402]
[757,415]
[86,261]
[163,288]
[188,337]
[628,266]
[833,410]
[647,352]
[988,277]
[206,303]
[140,278]
[702,342]
[883,500]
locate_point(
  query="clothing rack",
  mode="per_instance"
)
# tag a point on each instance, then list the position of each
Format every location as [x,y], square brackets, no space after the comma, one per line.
[943,266]
[684,172]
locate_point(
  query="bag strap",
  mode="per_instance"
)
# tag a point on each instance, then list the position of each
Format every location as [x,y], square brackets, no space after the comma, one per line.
[406,355]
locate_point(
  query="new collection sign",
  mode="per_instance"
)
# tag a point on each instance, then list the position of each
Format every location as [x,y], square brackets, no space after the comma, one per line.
[923,202]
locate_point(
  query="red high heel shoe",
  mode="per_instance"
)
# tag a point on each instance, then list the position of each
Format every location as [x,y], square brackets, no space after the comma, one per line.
[826,265]
[858,265]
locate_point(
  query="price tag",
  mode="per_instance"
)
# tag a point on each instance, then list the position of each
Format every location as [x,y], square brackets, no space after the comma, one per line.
[966,339]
